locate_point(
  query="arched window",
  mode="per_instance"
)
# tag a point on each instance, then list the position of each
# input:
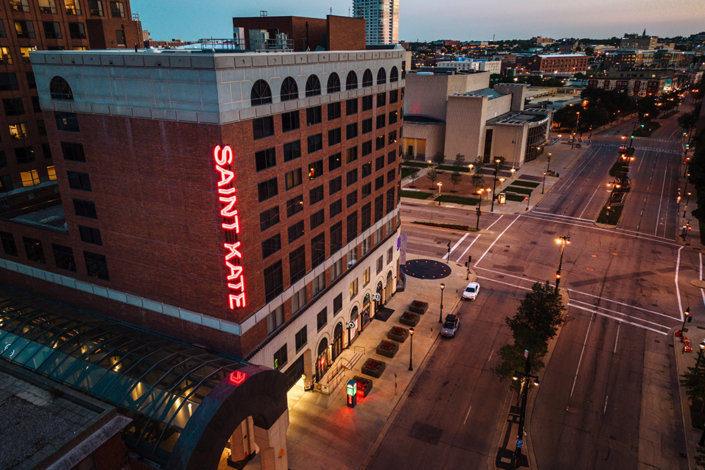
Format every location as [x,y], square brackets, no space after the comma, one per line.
[394,75]
[60,89]
[333,83]
[351,81]
[367,79]
[313,86]
[289,91]
[381,76]
[261,94]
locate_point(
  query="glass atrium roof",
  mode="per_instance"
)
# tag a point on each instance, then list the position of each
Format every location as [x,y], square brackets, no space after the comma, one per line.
[157,382]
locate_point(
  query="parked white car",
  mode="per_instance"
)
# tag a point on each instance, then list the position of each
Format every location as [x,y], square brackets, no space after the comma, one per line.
[471,291]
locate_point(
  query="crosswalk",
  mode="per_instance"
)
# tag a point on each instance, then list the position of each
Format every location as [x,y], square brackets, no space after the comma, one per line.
[650,139]
[651,149]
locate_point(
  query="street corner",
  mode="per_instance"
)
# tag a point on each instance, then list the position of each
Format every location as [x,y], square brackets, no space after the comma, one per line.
[698,283]
[565,298]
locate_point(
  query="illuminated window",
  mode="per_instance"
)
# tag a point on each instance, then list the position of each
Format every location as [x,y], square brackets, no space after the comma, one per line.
[19,5]
[24,29]
[79,48]
[72,7]
[95,7]
[52,173]
[353,289]
[117,9]
[29,178]
[47,6]
[365,277]
[293,178]
[280,358]
[5,57]
[18,131]
[315,169]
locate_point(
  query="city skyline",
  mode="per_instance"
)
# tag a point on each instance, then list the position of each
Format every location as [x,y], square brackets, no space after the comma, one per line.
[509,20]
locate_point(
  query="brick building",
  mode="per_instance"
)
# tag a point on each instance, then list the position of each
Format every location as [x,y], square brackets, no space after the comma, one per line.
[637,82]
[556,63]
[140,234]
[27,174]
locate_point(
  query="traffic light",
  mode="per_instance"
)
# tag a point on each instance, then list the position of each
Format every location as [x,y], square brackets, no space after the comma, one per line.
[633,136]
[479,212]
[558,274]
[642,126]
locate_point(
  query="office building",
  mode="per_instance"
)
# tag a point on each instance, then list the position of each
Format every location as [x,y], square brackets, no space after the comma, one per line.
[382,20]
[556,63]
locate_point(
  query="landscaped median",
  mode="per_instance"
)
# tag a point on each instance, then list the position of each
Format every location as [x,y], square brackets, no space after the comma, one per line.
[467,201]
[465,228]
[415,194]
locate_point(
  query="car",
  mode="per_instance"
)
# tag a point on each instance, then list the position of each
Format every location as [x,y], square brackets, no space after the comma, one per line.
[450,326]
[471,291]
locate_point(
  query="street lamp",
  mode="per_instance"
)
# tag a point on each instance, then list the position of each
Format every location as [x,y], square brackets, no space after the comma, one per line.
[562,241]
[686,317]
[497,161]
[440,319]
[439,192]
[700,354]
[544,182]
[524,392]
[411,347]
[501,183]
[685,209]
[479,208]
[548,168]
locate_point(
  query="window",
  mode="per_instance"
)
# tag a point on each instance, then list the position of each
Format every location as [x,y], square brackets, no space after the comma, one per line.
[393,96]
[289,90]
[381,76]
[381,118]
[271,246]
[352,198]
[393,117]
[379,207]
[265,159]
[379,142]
[5,56]
[336,270]
[367,78]
[351,258]
[292,150]
[390,254]
[333,83]
[352,177]
[78,180]
[315,169]
[6,183]
[77,31]
[8,243]
[367,103]
[297,264]
[366,216]
[294,206]
[117,9]
[335,185]
[334,110]
[353,289]
[366,245]
[290,121]
[390,200]
[366,169]
[267,189]
[351,81]
[67,122]
[19,5]
[41,127]
[275,319]
[317,219]
[29,178]
[296,231]
[95,7]
[379,163]
[85,209]
[263,127]
[334,136]
[322,318]
[313,86]
[351,154]
[269,218]
[366,190]
[31,81]
[260,93]
[381,99]
[90,235]
[394,75]
[336,208]
[351,131]
[24,53]
[18,131]
[318,255]
[301,338]
[34,250]
[367,126]
[273,281]
[63,255]
[336,238]
[3,159]
[72,7]
[365,277]
[313,116]
[315,195]
[3,33]
[379,182]
[351,107]
[315,143]
[391,175]
[8,81]
[334,162]
[366,148]
[293,178]
[280,358]
[352,226]
[25,29]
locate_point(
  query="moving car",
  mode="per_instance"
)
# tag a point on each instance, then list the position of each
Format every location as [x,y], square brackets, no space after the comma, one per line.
[450,326]
[471,291]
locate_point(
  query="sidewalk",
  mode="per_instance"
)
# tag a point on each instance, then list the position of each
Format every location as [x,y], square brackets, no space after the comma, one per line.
[323,432]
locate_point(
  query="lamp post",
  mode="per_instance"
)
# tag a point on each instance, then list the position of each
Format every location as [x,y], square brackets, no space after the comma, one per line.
[548,168]
[687,199]
[439,192]
[479,208]
[543,187]
[562,241]
[524,392]
[497,161]
[440,319]
[700,354]
[411,347]
[686,317]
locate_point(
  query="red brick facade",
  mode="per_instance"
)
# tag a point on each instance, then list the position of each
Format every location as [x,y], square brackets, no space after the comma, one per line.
[568,63]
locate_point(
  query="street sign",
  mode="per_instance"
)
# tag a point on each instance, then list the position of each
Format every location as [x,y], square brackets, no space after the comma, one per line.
[520,443]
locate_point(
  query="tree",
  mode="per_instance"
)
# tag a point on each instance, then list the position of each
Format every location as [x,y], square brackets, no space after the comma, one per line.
[457,176]
[693,380]
[589,50]
[432,176]
[477,180]
[439,158]
[533,326]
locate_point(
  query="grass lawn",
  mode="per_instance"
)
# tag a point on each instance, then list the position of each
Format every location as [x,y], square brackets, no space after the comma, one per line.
[413,163]
[450,226]
[647,130]
[519,189]
[468,201]
[528,184]
[613,216]
[405,172]
[514,197]
[461,169]
[416,194]
[619,167]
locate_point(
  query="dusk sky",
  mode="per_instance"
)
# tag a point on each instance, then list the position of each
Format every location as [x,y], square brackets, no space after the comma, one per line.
[457,19]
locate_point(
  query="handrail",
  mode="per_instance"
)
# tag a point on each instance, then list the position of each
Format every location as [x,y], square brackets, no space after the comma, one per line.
[360,347]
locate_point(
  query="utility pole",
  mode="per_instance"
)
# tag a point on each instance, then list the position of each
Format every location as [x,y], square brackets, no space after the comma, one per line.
[524,391]
[563,241]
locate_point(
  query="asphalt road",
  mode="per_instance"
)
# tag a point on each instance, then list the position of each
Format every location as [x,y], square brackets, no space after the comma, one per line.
[596,406]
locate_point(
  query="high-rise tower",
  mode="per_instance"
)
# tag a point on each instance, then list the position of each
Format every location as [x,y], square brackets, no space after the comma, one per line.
[382,17]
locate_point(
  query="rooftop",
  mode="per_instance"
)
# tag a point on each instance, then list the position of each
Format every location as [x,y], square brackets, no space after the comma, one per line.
[522,117]
[560,56]
[491,94]
[49,217]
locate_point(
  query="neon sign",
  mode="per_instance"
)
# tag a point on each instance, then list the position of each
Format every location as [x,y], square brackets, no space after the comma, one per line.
[223,157]
[237,377]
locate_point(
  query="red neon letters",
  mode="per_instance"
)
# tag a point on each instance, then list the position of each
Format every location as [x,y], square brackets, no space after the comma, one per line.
[236,280]
[237,377]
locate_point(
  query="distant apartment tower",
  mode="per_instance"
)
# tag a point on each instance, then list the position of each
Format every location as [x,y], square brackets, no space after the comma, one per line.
[382,17]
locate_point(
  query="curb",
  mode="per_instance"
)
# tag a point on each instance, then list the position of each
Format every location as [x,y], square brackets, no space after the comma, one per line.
[683,401]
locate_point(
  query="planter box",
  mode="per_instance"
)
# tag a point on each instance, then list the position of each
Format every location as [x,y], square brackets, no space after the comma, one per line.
[400,337]
[373,372]
[418,307]
[364,386]
[410,319]
[387,352]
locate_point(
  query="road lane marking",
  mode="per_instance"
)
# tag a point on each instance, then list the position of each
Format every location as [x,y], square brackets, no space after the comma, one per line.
[501,282]
[490,358]
[581,355]
[468,414]
[495,241]
[604,410]
[665,333]
[678,291]
[702,292]
[623,314]
[564,216]
[473,242]
[658,216]
[616,338]
[588,203]
[447,255]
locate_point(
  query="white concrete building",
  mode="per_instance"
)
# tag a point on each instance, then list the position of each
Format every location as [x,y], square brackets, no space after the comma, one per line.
[382,18]
[477,65]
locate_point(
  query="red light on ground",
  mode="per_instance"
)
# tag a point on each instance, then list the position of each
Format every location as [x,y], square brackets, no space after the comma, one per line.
[237,378]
